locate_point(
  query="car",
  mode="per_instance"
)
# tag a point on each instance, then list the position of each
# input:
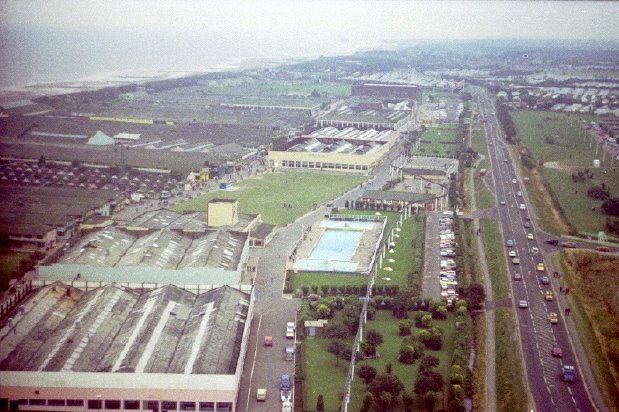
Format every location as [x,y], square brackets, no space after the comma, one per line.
[568,373]
[286,396]
[548,295]
[289,333]
[268,341]
[523,304]
[516,261]
[502,202]
[522,206]
[569,245]
[509,243]
[519,193]
[512,253]
[514,181]
[517,276]
[261,394]
[602,249]
[284,383]
[535,250]
[553,318]
[554,242]
[530,236]
[540,267]
[544,280]
[505,160]
[527,224]
[557,352]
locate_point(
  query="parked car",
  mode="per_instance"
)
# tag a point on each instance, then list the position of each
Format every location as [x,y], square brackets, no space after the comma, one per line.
[261,394]
[268,341]
[284,383]
[290,330]
[289,353]
[523,304]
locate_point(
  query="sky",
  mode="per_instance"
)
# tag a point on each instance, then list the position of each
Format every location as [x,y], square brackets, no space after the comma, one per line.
[58,40]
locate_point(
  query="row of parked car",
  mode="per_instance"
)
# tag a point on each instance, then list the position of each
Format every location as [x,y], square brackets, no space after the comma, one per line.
[447,244]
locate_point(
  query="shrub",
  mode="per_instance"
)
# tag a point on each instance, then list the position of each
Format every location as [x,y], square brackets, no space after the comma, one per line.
[320,404]
[373,337]
[367,373]
[428,362]
[405,326]
[428,381]
[368,349]
[305,290]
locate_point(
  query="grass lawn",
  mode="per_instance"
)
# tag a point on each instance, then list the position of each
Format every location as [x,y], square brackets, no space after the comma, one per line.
[324,375]
[9,261]
[406,260]
[440,140]
[510,391]
[593,280]
[493,246]
[570,148]
[389,351]
[267,194]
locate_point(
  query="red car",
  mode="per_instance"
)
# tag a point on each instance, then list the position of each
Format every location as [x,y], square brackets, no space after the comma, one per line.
[268,341]
[557,352]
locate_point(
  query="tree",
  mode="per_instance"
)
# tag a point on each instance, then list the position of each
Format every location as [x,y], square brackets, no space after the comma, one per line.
[368,349]
[405,326]
[336,330]
[367,373]
[429,399]
[320,404]
[385,389]
[611,206]
[374,338]
[367,402]
[428,380]
[598,192]
[407,402]
[474,294]
[336,347]
[428,362]
[323,311]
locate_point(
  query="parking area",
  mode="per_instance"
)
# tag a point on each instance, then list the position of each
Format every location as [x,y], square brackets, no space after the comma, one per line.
[440,279]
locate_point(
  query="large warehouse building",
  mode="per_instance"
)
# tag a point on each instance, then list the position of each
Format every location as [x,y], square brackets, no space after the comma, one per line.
[398,91]
[115,348]
[330,149]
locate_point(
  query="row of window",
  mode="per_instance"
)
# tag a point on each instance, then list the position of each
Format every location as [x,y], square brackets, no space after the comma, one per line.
[321,165]
[116,404]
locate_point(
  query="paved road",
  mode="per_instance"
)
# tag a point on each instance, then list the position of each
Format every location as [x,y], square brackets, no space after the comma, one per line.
[537,335]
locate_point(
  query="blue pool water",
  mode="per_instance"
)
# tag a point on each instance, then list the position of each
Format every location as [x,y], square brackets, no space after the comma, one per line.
[337,245]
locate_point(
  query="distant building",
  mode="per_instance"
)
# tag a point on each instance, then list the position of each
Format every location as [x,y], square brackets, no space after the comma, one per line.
[400,91]
[117,348]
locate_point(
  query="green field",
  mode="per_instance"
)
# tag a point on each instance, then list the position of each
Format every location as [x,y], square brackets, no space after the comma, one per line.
[571,151]
[389,351]
[439,140]
[493,247]
[267,194]
[510,390]
[9,261]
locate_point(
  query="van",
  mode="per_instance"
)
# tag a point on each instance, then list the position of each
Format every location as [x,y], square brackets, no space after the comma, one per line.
[289,353]
[285,383]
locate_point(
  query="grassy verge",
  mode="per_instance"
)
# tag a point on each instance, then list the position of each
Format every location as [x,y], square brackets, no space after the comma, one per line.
[510,390]
[9,262]
[309,279]
[593,280]
[267,194]
[324,375]
[493,247]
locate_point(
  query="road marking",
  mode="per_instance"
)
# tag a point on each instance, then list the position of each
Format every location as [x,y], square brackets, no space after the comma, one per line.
[253,365]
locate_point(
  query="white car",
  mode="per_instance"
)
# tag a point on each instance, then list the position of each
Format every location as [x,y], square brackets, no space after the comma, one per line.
[290,330]
[512,253]
[519,193]
[502,202]
[514,181]
[522,206]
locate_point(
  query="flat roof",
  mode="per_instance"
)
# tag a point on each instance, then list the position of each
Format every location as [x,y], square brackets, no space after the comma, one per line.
[120,330]
[397,196]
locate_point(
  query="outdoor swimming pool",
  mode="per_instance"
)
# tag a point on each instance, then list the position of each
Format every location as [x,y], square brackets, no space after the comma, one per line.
[336,245]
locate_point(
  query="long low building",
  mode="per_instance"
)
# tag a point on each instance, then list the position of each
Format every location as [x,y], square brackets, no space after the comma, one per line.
[330,149]
[164,349]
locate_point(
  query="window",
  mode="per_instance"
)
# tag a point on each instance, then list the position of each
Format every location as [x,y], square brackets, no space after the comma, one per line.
[284,163]
[169,405]
[131,405]
[297,163]
[36,402]
[75,402]
[188,406]
[56,402]
[151,405]
[95,404]
[207,406]
[224,406]
[4,404]
[112,404]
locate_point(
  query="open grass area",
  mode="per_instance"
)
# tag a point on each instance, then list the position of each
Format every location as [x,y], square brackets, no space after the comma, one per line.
[558,140]
[324,375]
[493,247]
[510,390]
[9,261]
[439,140]
[389,351]
[407,256]
[593,279]
[267,194]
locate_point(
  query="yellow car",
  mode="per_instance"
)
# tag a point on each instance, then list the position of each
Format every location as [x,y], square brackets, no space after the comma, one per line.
[553,318]
[530,236]
[548,295]
[540,267]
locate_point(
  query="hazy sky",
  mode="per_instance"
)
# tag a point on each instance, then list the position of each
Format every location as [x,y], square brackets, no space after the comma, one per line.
[371,20]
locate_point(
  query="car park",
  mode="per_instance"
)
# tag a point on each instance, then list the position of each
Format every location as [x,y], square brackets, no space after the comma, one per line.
[540,267]
[548,295]
[530,236]
[544,280]
[553,318]
[523,304]
[557,352]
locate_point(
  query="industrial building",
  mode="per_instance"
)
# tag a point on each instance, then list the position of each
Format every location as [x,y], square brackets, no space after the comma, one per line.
[362,117]
[349,150]
[399,91]
[117,348]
